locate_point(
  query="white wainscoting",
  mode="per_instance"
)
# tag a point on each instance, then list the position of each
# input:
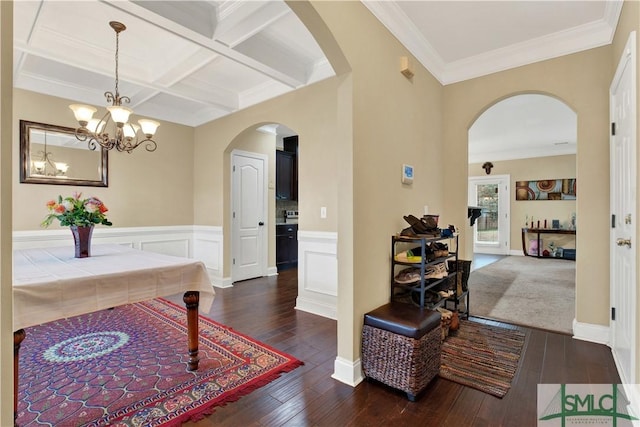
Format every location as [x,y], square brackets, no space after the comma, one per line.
[199,242]
[318,273]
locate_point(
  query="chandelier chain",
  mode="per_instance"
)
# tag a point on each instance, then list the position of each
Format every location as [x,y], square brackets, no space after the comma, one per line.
[117,50]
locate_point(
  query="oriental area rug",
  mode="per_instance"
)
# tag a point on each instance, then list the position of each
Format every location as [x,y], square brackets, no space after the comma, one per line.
[482,356]
[127,366]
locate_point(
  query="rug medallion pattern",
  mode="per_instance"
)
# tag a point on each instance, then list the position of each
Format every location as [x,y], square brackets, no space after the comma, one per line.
[128,367]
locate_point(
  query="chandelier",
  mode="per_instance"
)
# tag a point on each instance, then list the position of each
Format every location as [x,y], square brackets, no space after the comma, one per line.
[46,165]
[124,136]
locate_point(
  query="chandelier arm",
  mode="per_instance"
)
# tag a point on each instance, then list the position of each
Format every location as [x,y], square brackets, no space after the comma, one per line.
[48,156]
[82,134]
[150,145]
[93,144]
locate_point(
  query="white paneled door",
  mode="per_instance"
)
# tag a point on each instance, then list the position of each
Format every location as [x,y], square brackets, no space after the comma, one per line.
[249,215]
[623,213]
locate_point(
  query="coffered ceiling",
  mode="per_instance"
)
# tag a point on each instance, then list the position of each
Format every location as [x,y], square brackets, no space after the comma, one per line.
[191,62]
[187,62]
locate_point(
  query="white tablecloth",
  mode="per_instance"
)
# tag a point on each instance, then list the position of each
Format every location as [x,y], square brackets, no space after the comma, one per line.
[50,284]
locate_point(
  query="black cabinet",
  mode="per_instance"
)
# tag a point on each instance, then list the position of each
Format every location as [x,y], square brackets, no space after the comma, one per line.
[286,246]
[287,170]
[286,176]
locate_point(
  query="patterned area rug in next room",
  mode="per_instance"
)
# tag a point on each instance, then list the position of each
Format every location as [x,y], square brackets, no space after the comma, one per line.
[128,367]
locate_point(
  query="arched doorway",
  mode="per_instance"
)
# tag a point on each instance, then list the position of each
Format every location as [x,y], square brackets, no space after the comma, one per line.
[256,204]
[525,138]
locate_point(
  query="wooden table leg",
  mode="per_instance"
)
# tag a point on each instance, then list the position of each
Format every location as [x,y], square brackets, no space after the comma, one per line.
[18,337]
[192,301]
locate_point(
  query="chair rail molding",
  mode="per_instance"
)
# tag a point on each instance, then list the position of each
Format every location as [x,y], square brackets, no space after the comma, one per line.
[190,241]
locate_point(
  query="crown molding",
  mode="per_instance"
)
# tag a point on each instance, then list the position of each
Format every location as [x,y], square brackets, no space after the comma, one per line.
[397,22]
[554,45]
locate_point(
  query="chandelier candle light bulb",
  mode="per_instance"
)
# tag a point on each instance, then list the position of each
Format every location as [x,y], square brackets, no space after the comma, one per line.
[124,136]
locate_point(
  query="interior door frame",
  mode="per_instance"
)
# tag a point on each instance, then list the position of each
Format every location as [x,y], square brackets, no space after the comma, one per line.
[504,213]
[265,192]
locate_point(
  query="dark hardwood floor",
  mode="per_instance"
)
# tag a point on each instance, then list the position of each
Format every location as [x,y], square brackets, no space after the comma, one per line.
[308,396]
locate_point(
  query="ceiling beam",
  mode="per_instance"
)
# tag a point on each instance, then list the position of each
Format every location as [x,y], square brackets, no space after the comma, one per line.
[213,45]
[228,105]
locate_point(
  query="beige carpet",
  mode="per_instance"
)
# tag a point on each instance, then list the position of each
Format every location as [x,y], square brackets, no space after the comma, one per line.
[526,291]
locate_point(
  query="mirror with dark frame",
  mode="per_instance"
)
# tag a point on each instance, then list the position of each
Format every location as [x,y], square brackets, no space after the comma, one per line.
[51,154]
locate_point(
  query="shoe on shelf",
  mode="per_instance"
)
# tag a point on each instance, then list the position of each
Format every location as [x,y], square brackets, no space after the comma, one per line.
[408,275]
[445,294]
[446,314]
[431,272]
[438,271]
[408,256]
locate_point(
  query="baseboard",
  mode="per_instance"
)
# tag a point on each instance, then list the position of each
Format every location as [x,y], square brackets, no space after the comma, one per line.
[347,372]
[632,391]
[589,332]
[316,307]
[223,282]
[272,271]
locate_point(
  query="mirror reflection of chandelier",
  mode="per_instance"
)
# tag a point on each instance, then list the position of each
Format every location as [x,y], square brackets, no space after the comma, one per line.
[46,166]
[124,136]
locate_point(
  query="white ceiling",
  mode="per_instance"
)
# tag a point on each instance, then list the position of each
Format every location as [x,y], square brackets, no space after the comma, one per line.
[191,62]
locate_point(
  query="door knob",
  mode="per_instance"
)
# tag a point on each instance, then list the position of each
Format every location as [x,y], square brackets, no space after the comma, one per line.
[261,223]
[623,242]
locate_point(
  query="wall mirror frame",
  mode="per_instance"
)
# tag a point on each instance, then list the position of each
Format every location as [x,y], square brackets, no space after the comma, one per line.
[51,154]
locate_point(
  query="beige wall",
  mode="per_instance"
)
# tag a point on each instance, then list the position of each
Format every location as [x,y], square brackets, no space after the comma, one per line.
[630,21]
[395,121]
[587,94]
[145,189]
[551,167]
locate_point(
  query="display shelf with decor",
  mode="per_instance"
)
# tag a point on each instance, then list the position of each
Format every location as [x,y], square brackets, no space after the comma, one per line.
[533,246]
[419,273]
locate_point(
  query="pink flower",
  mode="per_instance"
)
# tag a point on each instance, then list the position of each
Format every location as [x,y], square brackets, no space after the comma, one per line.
[59,209]
[77,195]
[91,206]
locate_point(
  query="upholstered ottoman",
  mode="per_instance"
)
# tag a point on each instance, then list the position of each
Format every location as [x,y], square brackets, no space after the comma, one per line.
[401,346]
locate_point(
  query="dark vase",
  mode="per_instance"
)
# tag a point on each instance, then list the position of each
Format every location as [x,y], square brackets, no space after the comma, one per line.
[82,239]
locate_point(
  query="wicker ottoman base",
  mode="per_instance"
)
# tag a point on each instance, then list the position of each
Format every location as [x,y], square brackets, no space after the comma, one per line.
[399,361]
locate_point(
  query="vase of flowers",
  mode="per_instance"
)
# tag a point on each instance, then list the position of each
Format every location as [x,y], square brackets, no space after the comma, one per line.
[80,215]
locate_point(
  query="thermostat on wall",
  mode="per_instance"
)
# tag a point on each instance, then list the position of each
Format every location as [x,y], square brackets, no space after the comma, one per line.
[407,174]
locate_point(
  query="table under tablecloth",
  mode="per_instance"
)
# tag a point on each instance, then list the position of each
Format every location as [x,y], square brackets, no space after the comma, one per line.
[50,284]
